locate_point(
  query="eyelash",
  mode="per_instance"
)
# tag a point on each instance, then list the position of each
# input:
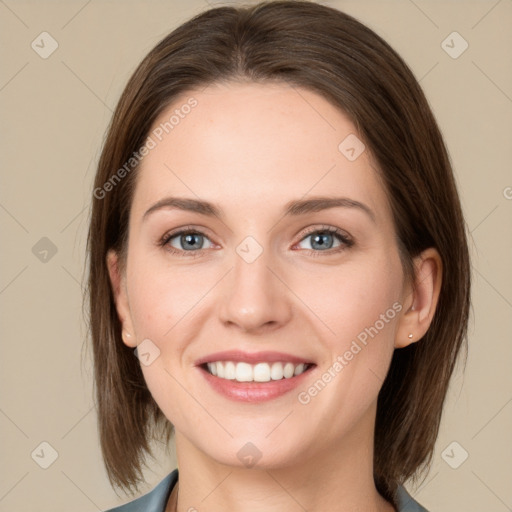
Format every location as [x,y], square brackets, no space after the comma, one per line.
[346,241]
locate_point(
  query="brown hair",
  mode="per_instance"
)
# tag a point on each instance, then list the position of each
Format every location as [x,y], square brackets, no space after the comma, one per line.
[328,52]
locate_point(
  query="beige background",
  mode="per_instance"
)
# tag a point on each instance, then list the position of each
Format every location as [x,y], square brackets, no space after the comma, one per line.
[54,113]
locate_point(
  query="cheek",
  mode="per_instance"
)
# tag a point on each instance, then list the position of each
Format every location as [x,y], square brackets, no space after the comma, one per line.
[162,304]
[161,298]
[359,301]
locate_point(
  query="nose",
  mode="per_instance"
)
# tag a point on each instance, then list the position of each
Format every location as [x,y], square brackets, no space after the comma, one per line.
[255,297]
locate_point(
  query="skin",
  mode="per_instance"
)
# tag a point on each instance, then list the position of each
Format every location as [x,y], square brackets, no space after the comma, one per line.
[251,148]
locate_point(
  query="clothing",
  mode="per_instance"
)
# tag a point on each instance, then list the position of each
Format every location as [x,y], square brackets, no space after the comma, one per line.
[156,500]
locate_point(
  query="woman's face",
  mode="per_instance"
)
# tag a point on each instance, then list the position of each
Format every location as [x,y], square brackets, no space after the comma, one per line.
[275,275]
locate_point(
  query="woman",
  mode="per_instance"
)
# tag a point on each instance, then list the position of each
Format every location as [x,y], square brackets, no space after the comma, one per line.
[279,271]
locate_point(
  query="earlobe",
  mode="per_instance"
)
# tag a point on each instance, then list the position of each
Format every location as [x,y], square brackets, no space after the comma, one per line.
[423,298]
[117,281]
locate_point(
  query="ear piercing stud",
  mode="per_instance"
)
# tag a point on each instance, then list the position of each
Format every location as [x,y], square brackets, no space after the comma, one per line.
[410,336]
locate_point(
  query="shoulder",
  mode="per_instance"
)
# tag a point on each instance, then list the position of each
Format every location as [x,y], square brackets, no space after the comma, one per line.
[406,503]
[155,500]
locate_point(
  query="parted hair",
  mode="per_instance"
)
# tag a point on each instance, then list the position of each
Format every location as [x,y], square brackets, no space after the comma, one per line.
[308,45]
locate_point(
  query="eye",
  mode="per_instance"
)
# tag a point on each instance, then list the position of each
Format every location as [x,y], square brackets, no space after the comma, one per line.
[192,241]
[323,240]
[186,240]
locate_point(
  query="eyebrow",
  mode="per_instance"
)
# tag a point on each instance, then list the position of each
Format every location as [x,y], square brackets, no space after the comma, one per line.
[293,208]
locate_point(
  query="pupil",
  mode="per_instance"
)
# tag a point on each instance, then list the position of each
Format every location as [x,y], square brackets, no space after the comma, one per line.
[190,239]
[322,243]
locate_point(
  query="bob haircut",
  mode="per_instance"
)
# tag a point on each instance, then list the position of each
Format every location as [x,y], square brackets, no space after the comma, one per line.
[326,51]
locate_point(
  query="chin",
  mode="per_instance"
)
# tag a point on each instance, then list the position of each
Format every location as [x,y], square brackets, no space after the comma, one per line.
[256,451]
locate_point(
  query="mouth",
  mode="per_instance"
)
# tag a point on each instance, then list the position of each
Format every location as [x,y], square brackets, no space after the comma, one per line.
[254,377]
[259,372]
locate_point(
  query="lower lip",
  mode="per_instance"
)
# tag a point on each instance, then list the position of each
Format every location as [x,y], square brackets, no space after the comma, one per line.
[254,391]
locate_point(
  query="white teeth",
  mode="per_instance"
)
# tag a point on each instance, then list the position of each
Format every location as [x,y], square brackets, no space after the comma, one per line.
[288,370]
[299,369]
[276,372]
[229,370]
[243,372]
[260,372]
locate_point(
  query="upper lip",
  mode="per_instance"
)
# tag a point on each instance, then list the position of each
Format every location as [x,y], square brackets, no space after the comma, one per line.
[251,357]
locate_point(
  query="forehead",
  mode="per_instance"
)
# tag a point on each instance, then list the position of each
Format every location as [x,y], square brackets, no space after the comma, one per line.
[247,144]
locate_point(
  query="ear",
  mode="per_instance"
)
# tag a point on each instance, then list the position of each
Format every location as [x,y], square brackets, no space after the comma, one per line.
[421,298]
[118,282]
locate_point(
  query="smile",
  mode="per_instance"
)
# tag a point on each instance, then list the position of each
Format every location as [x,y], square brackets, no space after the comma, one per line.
[260,372]
[256,377]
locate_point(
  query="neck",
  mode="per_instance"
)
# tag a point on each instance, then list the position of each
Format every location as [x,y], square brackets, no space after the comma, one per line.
[339,479]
